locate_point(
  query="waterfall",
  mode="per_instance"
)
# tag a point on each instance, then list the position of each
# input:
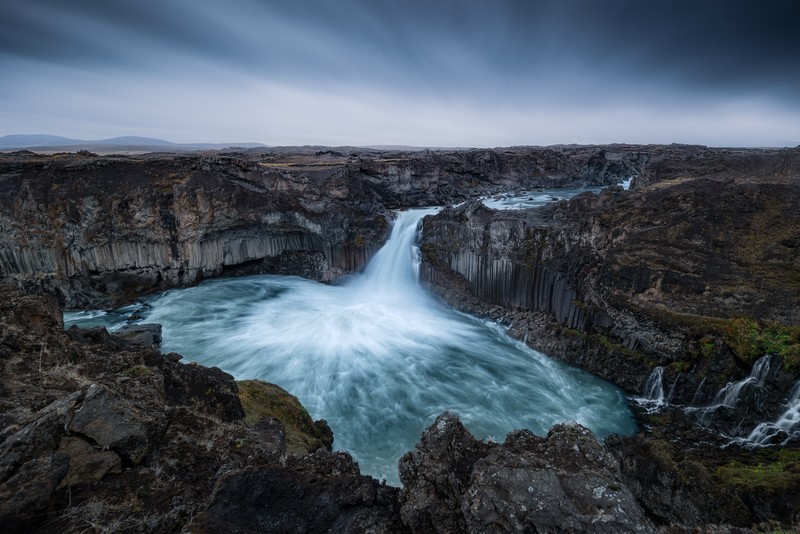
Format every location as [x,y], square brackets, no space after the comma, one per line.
[698,394]
[395,267]
[733,392]
[653,398]
[736,393]
[671,394]
[654,387]
[378,357]
[783,429]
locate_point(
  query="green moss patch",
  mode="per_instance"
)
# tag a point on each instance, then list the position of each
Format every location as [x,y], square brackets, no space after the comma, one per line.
[262,399]
[778,472]
[752,339]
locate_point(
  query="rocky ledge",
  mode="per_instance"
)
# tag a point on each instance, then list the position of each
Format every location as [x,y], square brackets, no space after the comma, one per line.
[696,276]
[103,433]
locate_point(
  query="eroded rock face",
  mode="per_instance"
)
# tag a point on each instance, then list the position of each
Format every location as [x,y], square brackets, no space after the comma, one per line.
[567,482]
[323,492]
[109,421]
[100,432]
[621,282]
[436,475]
[99,230]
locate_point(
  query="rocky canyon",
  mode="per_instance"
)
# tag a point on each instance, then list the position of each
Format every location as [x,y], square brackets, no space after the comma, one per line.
[683,290]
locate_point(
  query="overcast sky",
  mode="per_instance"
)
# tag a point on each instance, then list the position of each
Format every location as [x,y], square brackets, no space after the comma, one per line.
[415,72]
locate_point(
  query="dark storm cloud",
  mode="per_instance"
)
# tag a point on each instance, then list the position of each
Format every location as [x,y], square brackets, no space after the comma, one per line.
[702,44]
[88,32]
[529,55]
[717,45]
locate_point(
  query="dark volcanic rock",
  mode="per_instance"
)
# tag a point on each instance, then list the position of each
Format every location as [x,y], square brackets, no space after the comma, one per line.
[103,434]
[148,335]
[674,487]
[111,422]
[566,482]
[436,475]
[321,493]
[99,230]
[26,498]
[694,270]
[625,281]
[206,390]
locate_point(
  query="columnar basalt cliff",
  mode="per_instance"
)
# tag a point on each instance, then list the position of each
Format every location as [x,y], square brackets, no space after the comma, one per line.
[97,229]
[93,228]
[676,274]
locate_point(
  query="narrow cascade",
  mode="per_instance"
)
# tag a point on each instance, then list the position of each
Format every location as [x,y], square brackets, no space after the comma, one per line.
[654,387]
[653,399]
[734,394]
[786,428]
[377,356]
[698,394]
[671,394]
[626,184]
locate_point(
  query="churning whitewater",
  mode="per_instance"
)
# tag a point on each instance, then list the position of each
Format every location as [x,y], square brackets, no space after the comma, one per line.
[376,356]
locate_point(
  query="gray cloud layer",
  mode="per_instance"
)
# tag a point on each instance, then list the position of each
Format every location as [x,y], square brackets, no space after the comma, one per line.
[441,72]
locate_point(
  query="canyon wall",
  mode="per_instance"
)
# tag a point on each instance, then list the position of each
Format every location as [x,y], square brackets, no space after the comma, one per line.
[691,274]
[101,230]
[95,230]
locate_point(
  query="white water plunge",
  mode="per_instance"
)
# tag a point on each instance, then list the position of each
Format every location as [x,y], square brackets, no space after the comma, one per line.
[784,429]
[377,356]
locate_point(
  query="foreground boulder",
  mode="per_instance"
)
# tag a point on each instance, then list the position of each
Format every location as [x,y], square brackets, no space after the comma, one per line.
[101,433]
[322,492]
[567,482]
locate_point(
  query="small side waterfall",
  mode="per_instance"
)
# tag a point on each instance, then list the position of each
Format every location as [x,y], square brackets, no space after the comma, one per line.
[750,390]
[654,387]
[783,429]
[733,393]
[735,408]
[698,394]
[654,398]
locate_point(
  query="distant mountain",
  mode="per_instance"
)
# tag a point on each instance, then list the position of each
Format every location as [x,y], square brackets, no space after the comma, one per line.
[133,140]
[130,143]
[35,140]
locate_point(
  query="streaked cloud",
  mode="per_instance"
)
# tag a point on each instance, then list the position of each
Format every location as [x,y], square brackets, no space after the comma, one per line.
[442,73]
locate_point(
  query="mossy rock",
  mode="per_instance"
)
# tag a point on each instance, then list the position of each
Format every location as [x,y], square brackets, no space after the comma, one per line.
[262,399]
[773,472]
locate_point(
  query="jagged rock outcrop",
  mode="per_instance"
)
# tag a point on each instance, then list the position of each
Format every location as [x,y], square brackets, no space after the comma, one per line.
[102,433]
[624,281]
[566,482]
[322,492]
[571,482]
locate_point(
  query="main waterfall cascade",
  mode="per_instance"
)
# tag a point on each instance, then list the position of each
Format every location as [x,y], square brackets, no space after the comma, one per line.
[376,356]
